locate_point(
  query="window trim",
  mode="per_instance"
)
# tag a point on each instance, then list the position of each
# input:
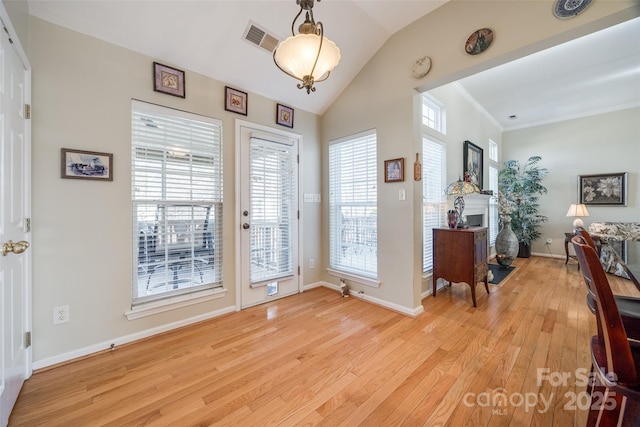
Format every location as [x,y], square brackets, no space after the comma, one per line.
[146,305]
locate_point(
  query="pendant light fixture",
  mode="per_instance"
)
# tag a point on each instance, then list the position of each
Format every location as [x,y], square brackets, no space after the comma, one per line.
[307,56]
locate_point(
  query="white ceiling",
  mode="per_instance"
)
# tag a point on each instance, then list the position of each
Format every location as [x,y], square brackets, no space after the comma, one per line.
[597,73]
[600,72]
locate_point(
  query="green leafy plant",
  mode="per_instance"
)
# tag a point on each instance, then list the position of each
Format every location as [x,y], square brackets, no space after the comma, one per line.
[520,188]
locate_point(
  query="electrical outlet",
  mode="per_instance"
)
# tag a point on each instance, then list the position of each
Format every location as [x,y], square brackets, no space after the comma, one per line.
[60,314]
[312,264]
[549,241]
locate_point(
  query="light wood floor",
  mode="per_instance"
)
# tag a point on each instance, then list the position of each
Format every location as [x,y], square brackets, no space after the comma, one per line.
[319,359]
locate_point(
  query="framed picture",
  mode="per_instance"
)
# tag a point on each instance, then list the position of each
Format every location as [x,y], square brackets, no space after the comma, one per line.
[235,100]
[79,164]
[609,189]
[168,80]
[472,159]
[394,170]
[284,116]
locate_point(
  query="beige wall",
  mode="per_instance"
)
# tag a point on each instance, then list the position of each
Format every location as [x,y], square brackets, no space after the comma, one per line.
[606,143]
[82,91]
[382,96]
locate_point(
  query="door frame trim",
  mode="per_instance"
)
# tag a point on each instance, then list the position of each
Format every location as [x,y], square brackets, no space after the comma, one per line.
[239,124]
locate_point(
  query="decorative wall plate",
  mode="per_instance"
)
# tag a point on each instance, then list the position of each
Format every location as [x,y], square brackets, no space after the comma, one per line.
[421,67]
[564,9]
[479,41]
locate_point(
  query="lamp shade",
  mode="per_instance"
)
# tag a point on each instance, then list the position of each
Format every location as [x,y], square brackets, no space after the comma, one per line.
[577,210]
[461,188]
[297,54]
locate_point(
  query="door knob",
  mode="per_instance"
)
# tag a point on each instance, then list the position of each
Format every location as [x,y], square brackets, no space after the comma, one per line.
[16,248]
[246,226]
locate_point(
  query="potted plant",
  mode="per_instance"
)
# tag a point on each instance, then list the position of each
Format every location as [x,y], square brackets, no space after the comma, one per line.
[521,188]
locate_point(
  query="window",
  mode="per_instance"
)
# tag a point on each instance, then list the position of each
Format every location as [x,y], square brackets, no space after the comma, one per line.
[493,185]
[176,194]
[434,202]
[433,114]
[493,151]
[353,198]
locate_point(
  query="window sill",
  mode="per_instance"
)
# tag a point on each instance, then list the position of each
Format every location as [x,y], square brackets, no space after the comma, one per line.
[374,283]
[149,309]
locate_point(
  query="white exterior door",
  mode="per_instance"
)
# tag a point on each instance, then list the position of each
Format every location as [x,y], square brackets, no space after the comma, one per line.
[268,216]
[15,257]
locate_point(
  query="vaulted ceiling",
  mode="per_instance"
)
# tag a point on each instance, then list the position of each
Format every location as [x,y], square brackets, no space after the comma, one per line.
[602,72]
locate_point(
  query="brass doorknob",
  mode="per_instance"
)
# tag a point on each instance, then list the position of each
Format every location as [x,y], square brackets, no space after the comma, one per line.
[16,248]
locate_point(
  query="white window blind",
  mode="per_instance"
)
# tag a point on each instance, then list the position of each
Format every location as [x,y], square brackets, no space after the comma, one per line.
[353,205]
[176,196]
[271,191]
[493,205]
[434,204]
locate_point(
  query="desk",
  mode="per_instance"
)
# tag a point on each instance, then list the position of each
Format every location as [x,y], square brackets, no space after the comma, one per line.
[631,262]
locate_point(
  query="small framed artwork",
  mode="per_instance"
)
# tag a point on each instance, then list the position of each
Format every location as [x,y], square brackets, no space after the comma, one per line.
[472,167]
[80,164]
[235,100]
[608,189]
[284,116]
[168,80]
[394,170]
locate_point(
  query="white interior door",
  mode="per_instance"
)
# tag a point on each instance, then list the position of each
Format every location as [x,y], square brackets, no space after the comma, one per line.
[15,258]
[268,216]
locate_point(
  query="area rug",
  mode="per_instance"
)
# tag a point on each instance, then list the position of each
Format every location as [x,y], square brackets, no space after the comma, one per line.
[500,272]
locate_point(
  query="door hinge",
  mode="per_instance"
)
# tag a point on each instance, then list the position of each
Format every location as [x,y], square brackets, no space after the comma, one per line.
[298,158]
[27,225]
[298,270]
[298,214]
[27,339]
[9,35]
[27,111]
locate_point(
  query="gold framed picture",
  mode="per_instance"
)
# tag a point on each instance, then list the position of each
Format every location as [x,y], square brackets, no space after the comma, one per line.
[394,170]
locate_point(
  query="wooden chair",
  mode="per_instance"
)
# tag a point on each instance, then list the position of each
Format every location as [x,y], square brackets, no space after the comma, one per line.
[629,307]
[582,232]
[615,395]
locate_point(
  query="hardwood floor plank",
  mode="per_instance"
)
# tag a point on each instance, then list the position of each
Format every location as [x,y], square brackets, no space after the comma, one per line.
[319,359]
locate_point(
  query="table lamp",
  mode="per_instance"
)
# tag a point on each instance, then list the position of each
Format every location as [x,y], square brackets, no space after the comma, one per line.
[577,211]
[460,189]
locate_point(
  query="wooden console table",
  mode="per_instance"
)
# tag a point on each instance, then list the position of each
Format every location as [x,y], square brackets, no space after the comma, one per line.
[460,255]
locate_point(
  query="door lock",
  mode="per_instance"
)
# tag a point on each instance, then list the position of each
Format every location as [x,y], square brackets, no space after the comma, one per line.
[16,248]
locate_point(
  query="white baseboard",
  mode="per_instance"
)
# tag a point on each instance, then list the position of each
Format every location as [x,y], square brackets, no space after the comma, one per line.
[105,345]
[95,348]
[373,300]
[542,254]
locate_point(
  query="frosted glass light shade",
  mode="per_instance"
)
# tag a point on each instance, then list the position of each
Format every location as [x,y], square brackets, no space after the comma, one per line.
[297,55]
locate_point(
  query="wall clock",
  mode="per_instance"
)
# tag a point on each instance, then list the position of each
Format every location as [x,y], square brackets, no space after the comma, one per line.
[421,67]
[479,41]
[564,9]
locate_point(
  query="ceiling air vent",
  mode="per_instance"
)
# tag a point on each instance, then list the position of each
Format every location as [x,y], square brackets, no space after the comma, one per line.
[258,36]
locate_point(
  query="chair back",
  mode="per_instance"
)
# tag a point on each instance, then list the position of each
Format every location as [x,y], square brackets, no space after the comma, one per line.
[613,335]
[582,232]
